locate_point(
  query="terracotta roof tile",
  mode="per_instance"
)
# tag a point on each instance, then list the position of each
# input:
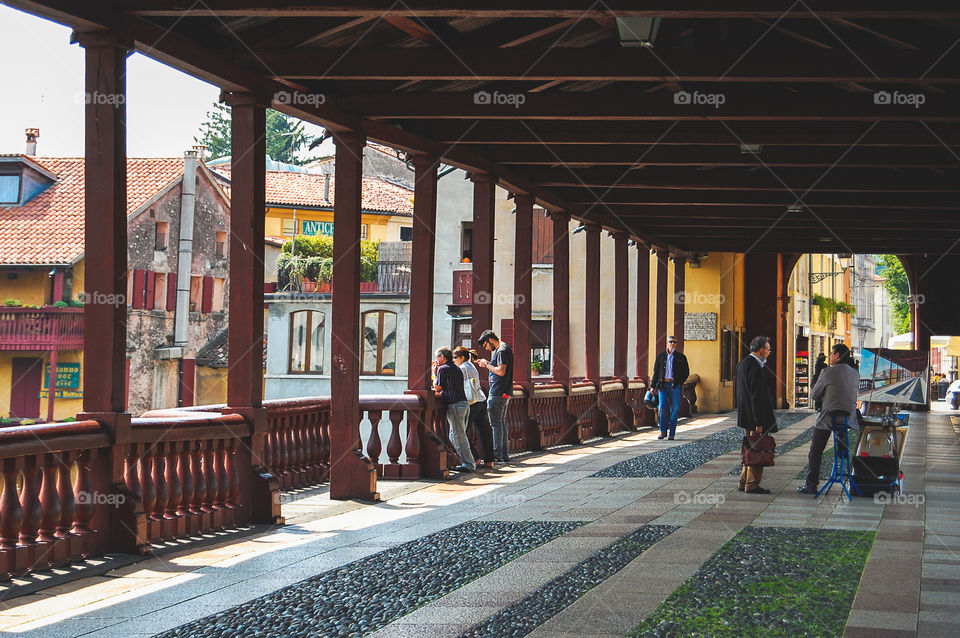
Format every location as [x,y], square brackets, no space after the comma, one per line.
[49,228]
[307,189]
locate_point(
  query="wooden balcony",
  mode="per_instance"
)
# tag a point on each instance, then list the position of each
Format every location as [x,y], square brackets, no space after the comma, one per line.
[46,328]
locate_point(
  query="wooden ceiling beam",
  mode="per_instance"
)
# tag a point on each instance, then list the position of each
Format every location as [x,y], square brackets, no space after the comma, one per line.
[854,9]
[536,63]
[764,199]
[766,103]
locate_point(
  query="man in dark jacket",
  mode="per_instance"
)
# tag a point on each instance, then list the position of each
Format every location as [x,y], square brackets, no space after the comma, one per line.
[670,371]
[754,406]
[820,366]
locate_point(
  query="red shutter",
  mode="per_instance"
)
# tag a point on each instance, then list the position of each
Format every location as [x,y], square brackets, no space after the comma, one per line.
[171,291]
[138,280]
[506,331]
[542,238]
[206,303]
[151,290]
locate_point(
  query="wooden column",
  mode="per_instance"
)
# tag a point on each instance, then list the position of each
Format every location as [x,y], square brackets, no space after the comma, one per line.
[352,475]
[781,338]
[105,236]
[431,459]
[522,290]
[560,350]
[247,205]
[592,304]
[661,335]
[245,344]
[484,194]
[621,310]
[643,310]
[679,296]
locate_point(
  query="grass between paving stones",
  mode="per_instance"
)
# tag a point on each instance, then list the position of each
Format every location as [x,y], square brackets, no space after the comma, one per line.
[544,603]
[367,594]
[768,581]
[677,461]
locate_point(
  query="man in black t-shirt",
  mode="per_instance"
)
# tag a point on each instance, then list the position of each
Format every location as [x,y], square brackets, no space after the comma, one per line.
[500,367]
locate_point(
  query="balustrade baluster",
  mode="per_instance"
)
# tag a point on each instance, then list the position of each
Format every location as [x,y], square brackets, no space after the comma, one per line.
[233,475]
[283,466]
[394,446]
[209,477]
[374,445]
[414,423]
[299,451]
[159,463]
[186,479]
[325,442]
[267,459]
[199,495]
[30,502]
[130,477]
[84,510]
[291,445]
[313,447]
[11,514]
[147,485]
[49,499]
[68,505]
[221,472]
[174,493]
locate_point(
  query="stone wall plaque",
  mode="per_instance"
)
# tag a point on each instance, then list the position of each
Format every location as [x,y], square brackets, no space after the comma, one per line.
[700,326]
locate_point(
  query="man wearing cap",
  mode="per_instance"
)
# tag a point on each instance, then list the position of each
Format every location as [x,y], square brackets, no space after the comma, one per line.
[670,371]
[500,367]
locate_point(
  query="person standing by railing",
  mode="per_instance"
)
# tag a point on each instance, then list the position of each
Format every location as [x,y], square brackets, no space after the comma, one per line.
[500,367]
[478,404]
[449,384]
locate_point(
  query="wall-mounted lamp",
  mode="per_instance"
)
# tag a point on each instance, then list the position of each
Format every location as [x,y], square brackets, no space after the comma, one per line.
[579,229]
[631,243]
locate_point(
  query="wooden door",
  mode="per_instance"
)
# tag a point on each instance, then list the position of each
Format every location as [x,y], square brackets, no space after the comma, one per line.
[25,387]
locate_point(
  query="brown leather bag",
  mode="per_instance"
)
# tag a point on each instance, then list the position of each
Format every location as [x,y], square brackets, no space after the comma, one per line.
[758,449]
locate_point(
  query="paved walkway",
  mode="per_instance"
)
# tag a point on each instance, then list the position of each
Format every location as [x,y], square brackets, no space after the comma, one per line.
[910,585]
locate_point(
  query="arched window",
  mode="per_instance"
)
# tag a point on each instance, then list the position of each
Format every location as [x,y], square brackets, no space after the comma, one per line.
[379,342]
[306,342]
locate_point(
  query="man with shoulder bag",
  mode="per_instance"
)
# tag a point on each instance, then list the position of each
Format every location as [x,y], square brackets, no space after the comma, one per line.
[755,415]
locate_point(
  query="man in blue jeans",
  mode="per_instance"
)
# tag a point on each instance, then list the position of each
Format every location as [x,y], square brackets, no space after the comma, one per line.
[670,371]
[500,367]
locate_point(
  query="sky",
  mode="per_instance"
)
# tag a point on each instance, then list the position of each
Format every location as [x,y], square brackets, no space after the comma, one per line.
[42,86]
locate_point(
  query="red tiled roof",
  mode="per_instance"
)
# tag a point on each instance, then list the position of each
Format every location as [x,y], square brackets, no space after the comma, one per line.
[306,189]
[48,229]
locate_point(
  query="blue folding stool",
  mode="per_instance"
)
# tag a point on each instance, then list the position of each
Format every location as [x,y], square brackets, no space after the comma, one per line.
[841,456]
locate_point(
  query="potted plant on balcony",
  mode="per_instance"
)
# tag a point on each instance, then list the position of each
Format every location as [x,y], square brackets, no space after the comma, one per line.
[536,367]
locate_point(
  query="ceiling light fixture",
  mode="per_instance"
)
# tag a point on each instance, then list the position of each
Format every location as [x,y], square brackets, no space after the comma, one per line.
[637,32]
[579,229]
[751,148]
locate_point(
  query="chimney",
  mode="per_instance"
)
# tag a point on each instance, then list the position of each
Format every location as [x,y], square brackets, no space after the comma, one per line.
[200,150]
[32,135]
[326,187]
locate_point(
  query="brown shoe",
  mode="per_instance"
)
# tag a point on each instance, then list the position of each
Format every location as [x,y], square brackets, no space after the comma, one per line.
[662,436]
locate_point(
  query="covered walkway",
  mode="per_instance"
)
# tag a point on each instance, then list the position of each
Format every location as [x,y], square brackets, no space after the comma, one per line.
[573,542]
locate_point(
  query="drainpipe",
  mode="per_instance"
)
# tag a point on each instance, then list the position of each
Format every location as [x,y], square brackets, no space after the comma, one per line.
[188,192]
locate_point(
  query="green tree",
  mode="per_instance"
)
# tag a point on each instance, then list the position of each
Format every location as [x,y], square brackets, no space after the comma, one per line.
[285,135]
[890,268]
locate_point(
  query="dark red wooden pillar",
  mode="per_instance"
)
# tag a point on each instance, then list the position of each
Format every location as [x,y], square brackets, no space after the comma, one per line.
[679,296]
[105,237]
[522,290]
[105,250]
[247,203]
[661,322]
[484,193]
[621,309]
[560,350]
[591,324]
[431,460]
[643,310]
[782,338]
[245,343]
[351,474]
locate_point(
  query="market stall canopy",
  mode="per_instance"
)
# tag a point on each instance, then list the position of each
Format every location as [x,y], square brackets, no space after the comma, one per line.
[905,342]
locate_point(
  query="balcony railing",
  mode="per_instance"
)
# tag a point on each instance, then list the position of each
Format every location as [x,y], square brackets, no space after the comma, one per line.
[41,328]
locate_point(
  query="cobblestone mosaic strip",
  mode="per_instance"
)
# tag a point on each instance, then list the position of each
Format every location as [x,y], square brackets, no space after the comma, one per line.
[677,461]
[367,594]
[546,602]
[768,581]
